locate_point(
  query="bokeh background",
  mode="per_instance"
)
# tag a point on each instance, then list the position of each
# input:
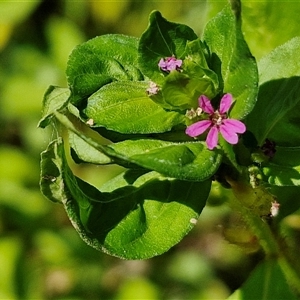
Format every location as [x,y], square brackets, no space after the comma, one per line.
[41,256]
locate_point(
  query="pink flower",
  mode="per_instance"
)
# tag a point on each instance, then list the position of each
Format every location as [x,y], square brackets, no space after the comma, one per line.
[169,64]
[274,208]
[217,122]
[152,89]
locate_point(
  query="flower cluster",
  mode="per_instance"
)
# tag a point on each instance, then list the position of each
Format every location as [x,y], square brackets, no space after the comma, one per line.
[152,89]
[217,122]
[169,64]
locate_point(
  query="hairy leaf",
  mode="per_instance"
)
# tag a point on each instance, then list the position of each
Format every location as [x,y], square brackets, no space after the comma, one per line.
[100,61]
[135,216]
[125,107]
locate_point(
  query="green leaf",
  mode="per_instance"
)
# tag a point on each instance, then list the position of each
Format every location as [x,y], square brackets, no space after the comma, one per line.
[125,107]
[276,114]
[284,168]
[279,97]
[232,61]
[185,161]
[287,156]
[162,39]
[165,213]
[100,61]
[51,181]
[55,98]
[91,137]
[83,152]
[280,24]
[206,81]
[266,282]
[181,91]
[280,63]
[135,215]
[281,175]
[198,52]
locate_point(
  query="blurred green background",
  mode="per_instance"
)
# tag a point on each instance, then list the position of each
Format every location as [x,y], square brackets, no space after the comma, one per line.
[41,256]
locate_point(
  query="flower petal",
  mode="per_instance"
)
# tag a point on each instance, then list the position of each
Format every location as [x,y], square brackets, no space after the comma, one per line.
[163,65]
[225,103]
[234,125]
[169,64]
[205,104]
[197,128]
[229,135]
[212,138]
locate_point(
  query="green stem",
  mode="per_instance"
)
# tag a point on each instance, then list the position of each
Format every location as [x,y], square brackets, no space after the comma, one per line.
[244,201]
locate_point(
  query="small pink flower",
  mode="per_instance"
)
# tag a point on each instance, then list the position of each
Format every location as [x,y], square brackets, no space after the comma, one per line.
[152,89]
[217,122]
[274,209]
[169,64]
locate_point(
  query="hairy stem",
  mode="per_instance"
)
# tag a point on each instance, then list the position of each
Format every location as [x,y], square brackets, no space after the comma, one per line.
[252,204]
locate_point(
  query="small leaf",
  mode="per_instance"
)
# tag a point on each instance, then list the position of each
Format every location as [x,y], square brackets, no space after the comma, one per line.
[55,98]
[162,39]
[181,91]
[100,61]
[232,61]
[125,107]
[135,215]
[197,51]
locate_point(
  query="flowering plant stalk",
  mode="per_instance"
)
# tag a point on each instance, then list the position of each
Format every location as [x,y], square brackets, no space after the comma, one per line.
[181,114]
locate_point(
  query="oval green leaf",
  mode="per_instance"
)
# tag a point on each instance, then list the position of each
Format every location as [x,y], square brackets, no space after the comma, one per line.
[99,61]
[125,107]
[135,215]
